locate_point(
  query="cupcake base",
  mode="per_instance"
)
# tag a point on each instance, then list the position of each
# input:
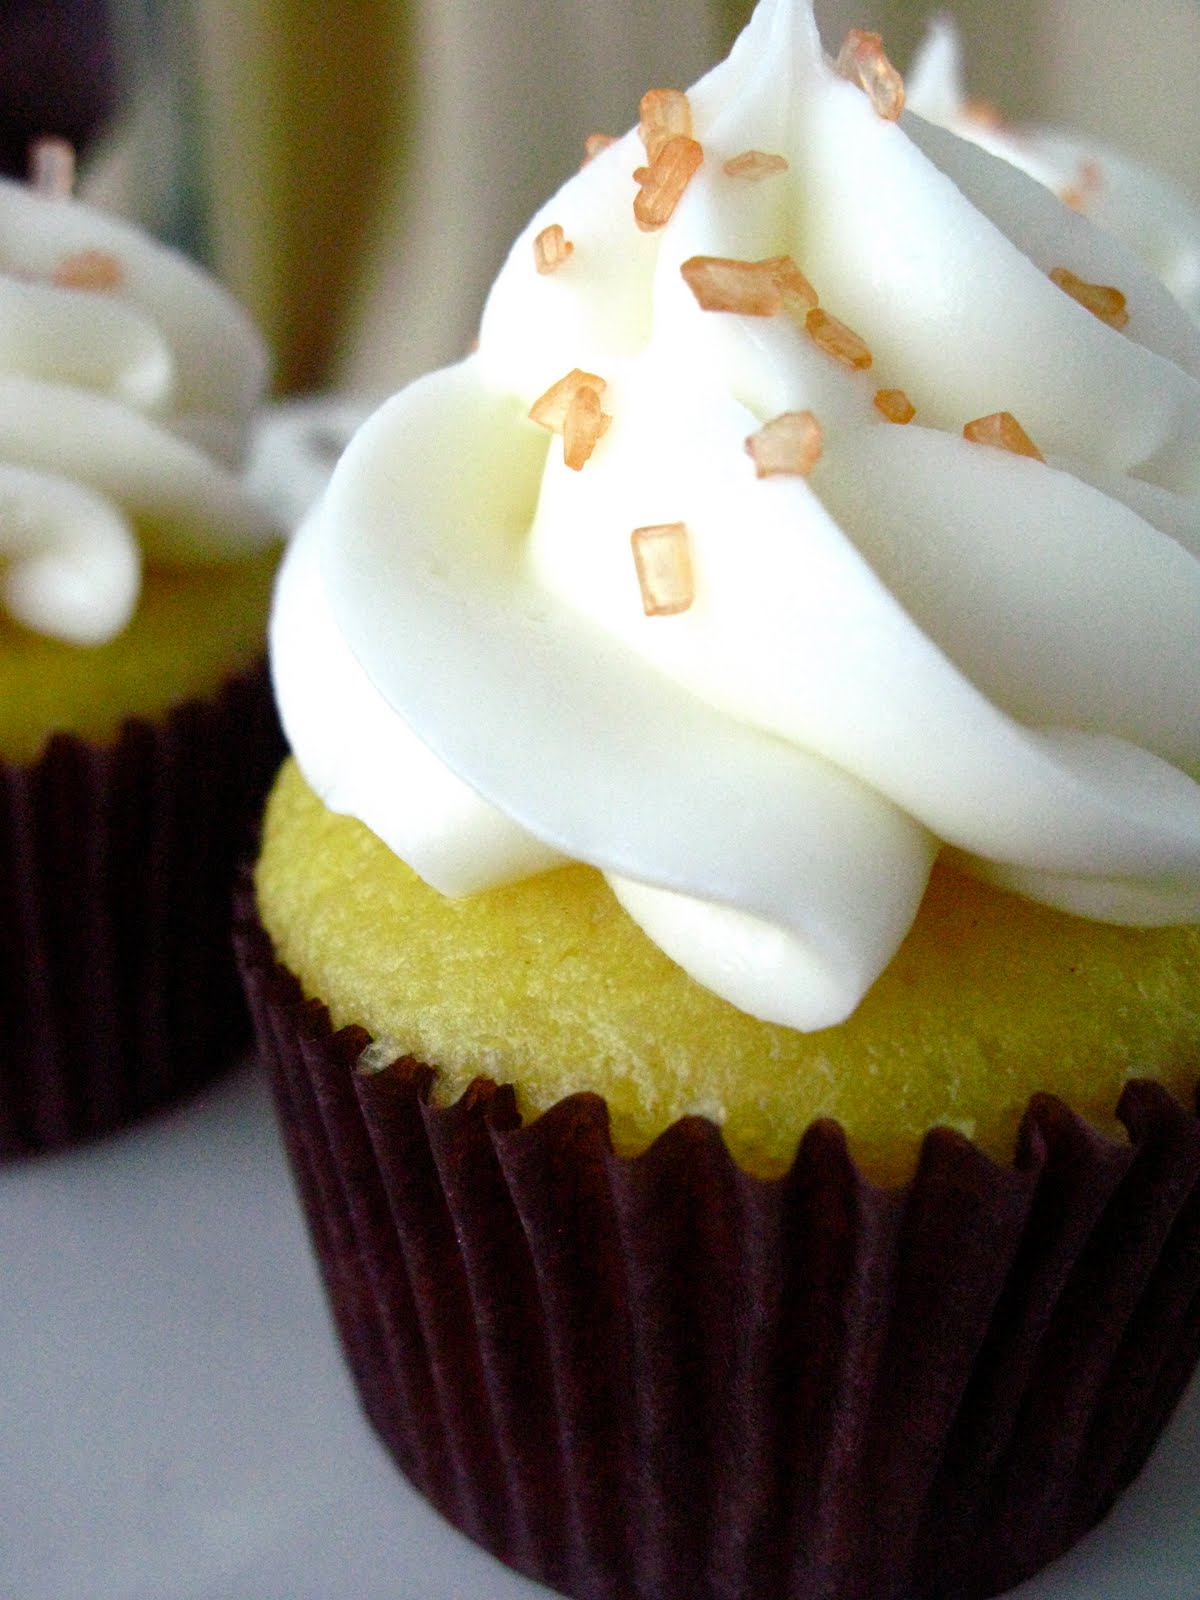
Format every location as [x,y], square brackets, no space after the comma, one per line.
[118,990]
[661,1378]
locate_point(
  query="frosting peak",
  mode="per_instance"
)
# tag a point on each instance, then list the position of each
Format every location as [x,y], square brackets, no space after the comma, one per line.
[761,700]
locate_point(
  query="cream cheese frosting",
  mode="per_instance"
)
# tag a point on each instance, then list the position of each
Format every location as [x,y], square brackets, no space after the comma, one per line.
[128,380]
[922,643]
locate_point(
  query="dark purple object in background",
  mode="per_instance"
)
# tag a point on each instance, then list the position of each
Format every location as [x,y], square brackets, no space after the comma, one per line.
[57,74]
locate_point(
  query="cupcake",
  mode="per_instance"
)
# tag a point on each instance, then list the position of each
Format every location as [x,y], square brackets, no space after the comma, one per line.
[137,734]
[727,944]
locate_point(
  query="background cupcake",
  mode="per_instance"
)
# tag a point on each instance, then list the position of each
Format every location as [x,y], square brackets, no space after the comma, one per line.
[135,725]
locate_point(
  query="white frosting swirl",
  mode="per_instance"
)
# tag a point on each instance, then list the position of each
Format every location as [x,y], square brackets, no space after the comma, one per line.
[124,414]
[927,642]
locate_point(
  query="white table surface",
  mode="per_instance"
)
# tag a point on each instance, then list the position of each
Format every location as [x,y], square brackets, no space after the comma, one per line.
[176,1422]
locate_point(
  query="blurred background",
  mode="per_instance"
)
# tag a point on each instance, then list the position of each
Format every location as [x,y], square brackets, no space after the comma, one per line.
[356,173]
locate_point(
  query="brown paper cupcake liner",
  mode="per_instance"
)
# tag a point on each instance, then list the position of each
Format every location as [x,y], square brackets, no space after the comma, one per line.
[661,1378]
[118,989]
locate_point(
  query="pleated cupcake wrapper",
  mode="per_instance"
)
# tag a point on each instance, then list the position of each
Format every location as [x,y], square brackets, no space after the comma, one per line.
[118,988]
[663,1378]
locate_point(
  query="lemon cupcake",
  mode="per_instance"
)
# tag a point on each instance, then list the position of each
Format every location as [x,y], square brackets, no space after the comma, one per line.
[727,944]
[136,729]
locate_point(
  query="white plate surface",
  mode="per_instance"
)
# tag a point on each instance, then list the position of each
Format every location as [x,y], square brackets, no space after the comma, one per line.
[176,1423]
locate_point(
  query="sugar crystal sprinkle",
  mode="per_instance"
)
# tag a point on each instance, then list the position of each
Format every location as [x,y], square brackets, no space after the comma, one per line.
[790,443]
[984,114]
[754,164]
[895,405]
[550,409]
[837,340]
[661,184]
[753,288]
[797,294]
[583,426]
[52,167]
[665,114]
[1089,180]
[863,60]
[720,283]
[594,143]
[1101,299]
[663,558]
[551,249]
[98,270]
[1002,431]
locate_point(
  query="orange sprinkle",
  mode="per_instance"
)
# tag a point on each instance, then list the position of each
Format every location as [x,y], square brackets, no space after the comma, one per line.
[583,426]
[790,443]
[797,294]
[895,405]
[550,409]
[662,183]
[551,248]
[665,114]
[52,167]
[837,340]
[1002,431]
[754,288]
[754,164]
[722,284]
[983,113]
[663,559]
[594,143]
[1100,299]
[98,270]
[863,60]
[1088,181]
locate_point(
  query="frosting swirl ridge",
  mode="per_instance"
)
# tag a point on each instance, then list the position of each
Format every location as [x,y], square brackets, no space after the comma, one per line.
[904,642]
